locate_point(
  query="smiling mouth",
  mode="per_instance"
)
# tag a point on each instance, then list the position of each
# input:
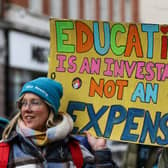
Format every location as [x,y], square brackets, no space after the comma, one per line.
[28,118]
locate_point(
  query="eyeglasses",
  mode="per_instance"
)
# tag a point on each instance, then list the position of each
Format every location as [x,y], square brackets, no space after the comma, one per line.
[35,103]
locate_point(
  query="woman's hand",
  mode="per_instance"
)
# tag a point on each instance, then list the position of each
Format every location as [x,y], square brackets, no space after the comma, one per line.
[95,143]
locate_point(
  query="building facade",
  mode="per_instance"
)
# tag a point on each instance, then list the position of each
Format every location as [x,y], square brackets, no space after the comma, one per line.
[25,41]
[24,33]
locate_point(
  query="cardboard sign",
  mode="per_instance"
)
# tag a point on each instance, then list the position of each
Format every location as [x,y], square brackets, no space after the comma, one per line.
[114,77]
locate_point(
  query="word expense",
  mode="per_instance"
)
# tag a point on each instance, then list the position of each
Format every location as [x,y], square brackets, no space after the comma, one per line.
[111,39]
[150,127]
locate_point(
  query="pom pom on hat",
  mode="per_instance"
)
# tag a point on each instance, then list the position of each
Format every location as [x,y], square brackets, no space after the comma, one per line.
[49,90]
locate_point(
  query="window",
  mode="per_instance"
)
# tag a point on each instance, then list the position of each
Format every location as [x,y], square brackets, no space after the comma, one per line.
[56,8]
[35,6]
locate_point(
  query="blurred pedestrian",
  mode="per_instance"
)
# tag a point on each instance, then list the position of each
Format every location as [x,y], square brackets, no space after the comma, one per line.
[3,123]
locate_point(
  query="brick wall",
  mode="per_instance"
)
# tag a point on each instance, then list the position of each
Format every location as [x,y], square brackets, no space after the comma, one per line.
[23,3]
[89,9]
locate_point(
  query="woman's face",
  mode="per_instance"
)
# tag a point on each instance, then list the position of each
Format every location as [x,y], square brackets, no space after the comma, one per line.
[34,111]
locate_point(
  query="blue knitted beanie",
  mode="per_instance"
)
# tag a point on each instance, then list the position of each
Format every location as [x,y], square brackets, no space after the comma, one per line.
[49,90]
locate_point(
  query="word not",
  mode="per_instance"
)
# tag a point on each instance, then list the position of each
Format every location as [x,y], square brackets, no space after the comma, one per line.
[108,88]
[150,126]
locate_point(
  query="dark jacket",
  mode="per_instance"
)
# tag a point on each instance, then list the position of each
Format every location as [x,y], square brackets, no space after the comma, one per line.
[24,153]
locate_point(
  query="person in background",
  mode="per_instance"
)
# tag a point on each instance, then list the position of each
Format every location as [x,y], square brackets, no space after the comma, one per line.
[40,136]
[3,123]
[163,158]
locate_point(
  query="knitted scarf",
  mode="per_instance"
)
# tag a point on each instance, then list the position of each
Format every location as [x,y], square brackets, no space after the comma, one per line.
[58,132]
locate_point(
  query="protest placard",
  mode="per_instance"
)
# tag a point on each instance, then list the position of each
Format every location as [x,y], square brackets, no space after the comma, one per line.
[114,77]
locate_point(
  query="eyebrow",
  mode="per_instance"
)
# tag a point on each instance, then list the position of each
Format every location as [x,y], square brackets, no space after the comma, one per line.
[24,99]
